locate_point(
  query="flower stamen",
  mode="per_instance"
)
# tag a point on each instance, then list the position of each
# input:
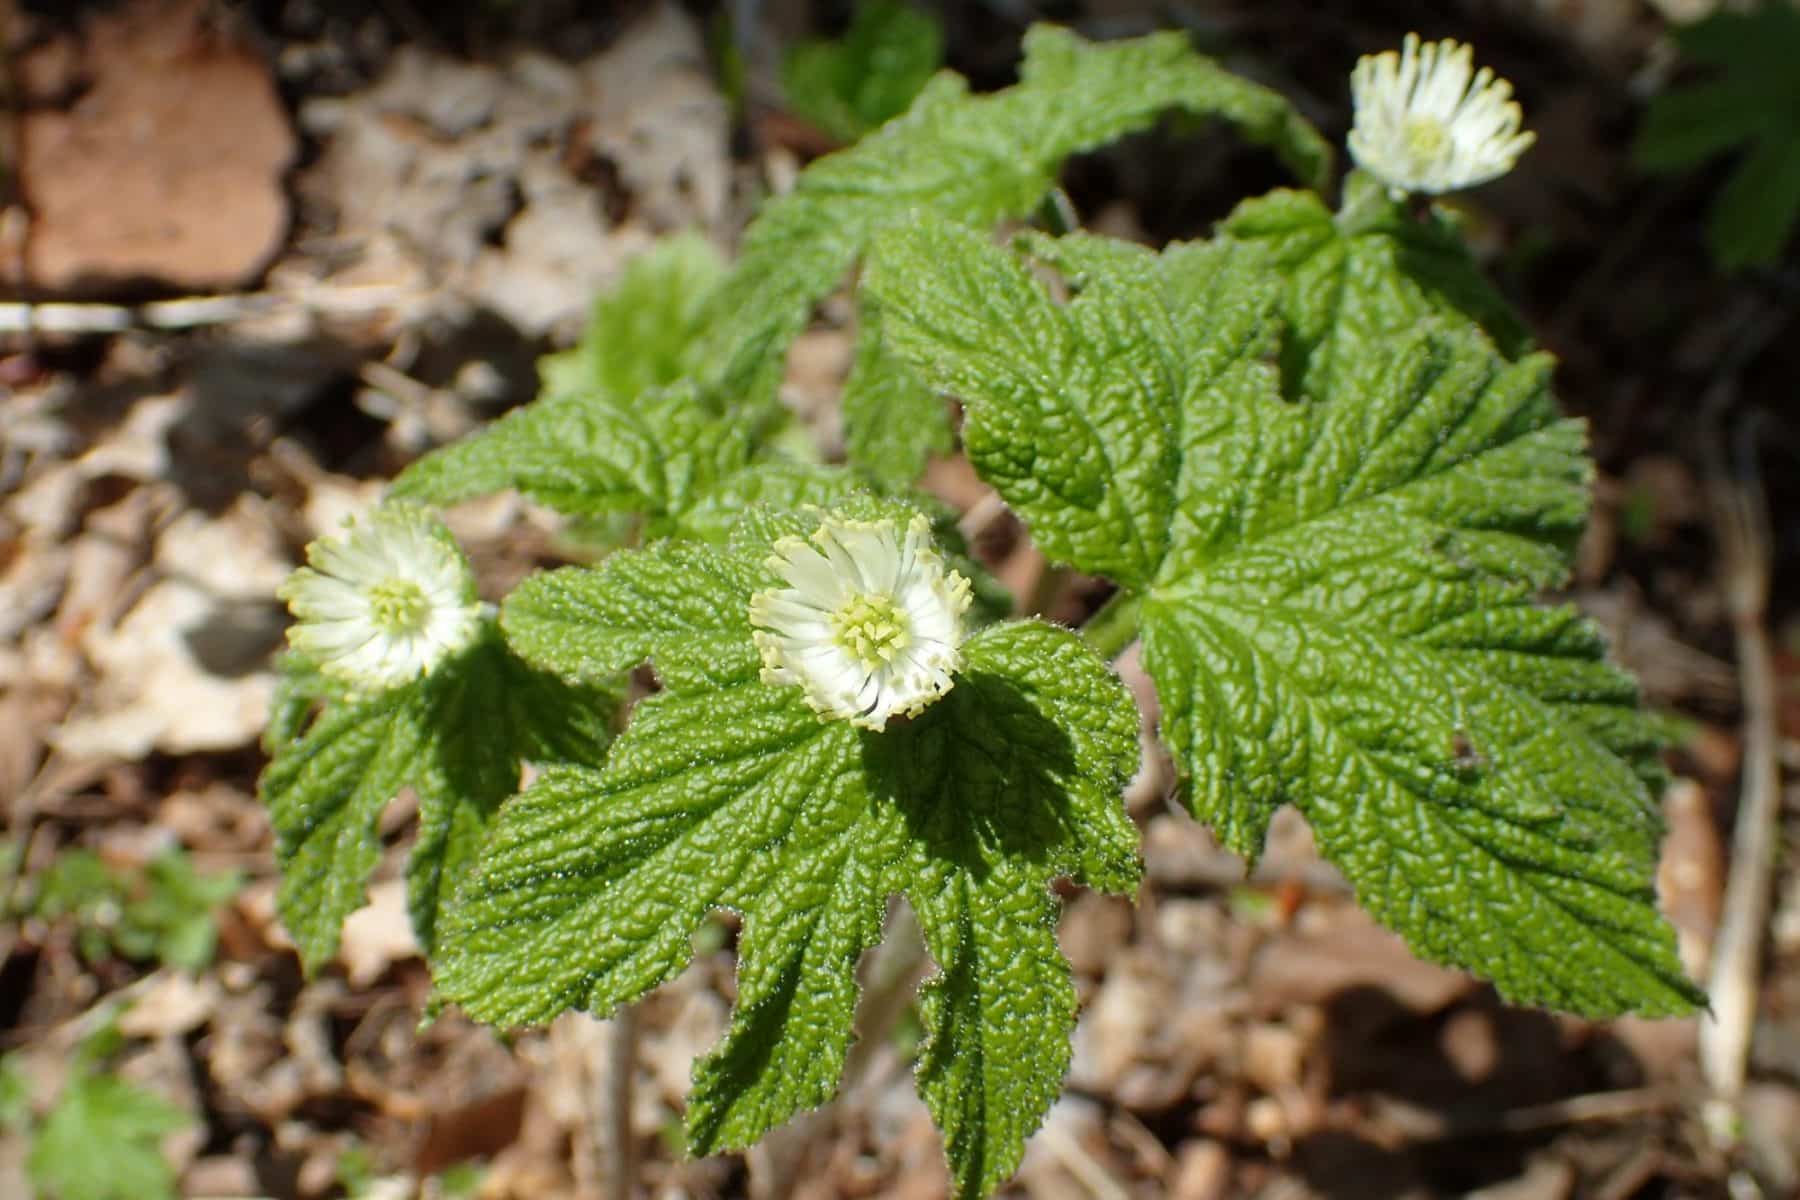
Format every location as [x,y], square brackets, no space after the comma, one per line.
[398,606]
[870,627]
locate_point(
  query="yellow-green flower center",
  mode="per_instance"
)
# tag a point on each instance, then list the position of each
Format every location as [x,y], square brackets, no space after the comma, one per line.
[1426,138]
[398,606]
[871,628]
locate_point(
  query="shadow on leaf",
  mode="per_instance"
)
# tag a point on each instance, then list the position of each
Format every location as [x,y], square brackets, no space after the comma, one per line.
[979,774]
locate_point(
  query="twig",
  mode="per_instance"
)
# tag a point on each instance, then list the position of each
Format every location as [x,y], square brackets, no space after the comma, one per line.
[1073,1157]
[1741,516]
[192,312]
[1578,1110]
[1400,1122]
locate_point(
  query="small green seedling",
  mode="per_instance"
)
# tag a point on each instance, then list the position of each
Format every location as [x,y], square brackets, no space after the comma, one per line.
[165,911]
[851,85]
[102,1138]
[1746,106]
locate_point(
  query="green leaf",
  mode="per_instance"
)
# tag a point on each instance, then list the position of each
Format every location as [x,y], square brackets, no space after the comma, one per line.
[975,159]
[1070,410]
[993,1058]
[644,330]
[325,793]
[615,428]
[102,1141]
[1686,126]
[174,915]
[299,689]
[76,883]
[590,453]
[1750,100]
[779,484]
[594,880]
[682,603]
[457,738]
[1355,635]
[725,792]
[1014,783]
[893,422]
[489,713]
[1754,214]
[1365,277]
[1335,595]
[163,911]
[851,85]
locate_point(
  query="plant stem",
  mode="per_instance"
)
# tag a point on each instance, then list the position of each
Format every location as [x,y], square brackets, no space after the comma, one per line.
[1115,626]
[618,1154]
[1365,203]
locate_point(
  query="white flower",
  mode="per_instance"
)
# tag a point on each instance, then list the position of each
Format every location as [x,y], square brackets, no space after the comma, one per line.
[384,603]
[869,624]
[1427,121]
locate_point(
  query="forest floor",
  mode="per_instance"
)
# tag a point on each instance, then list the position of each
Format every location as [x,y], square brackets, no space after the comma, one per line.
[352,230]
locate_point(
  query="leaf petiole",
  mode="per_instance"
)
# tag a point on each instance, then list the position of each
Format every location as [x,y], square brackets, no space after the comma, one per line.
[1115,626]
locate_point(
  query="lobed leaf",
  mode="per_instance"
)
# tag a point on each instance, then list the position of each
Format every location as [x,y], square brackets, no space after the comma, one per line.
[457,738]
[1335,594]
[1750,100]
[102,1141]
[851,85]
[1071,409]
[972,159]
[1354,284]
[681,603]
[725,792]
[593,881]
[589,453]
[893,422]
[1354,634]
[324,793]
[1013,780]
[779,484]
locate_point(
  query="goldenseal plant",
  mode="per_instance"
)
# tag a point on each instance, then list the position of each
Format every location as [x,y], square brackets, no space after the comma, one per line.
[1314,456]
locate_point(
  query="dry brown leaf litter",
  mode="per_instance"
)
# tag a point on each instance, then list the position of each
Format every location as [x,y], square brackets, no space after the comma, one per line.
[1262,1039]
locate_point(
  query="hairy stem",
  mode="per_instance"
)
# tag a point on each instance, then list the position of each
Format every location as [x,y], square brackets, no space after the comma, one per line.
[1115,626]
[1361,208]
